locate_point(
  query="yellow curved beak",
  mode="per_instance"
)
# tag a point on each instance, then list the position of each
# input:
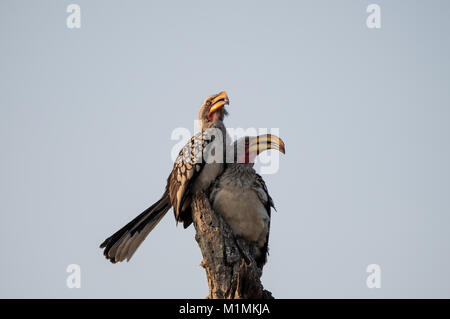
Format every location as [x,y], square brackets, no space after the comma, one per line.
[219,101]
[265,142]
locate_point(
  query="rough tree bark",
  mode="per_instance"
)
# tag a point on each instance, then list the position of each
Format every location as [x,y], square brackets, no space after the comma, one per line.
[231,270]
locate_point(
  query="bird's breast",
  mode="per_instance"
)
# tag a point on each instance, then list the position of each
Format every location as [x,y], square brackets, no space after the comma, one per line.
[243,211]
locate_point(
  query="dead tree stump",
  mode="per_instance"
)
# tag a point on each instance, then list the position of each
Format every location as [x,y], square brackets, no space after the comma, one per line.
[231,270]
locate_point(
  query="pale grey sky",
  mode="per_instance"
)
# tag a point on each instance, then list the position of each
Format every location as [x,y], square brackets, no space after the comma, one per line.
[86,117]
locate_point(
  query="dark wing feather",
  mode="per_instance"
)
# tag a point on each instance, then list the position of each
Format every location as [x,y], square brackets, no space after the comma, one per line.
[263,194]
[124,243]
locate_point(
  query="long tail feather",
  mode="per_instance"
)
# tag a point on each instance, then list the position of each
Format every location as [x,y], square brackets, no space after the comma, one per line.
[124,243]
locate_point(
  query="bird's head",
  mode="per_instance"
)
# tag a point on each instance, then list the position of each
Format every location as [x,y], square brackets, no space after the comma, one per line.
[213,109]
[247,148]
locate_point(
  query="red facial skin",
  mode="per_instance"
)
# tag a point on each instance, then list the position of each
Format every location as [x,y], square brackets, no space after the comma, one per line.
[247,158]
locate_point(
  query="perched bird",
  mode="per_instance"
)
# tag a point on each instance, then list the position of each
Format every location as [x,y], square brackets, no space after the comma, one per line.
[240,195]
[191,173]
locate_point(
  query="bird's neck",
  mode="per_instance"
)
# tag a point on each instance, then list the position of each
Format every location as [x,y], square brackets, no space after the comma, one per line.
[239,174]
[216,124]
[241,168]
[220,126]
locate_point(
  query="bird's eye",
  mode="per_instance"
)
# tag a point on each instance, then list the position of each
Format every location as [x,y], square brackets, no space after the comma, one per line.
[208,103]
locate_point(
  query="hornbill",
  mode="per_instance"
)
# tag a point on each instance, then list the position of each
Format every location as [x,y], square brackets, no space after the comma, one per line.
[240,195]
[191,172]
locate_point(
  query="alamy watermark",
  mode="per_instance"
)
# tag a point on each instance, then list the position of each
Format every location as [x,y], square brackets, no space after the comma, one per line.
[374,278]
[373,21]
[73,20]
[74,279]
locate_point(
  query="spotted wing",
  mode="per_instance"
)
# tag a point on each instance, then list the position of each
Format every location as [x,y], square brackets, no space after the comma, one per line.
[186,168]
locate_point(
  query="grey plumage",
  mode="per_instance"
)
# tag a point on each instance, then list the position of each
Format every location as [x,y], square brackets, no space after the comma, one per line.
[240,195]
